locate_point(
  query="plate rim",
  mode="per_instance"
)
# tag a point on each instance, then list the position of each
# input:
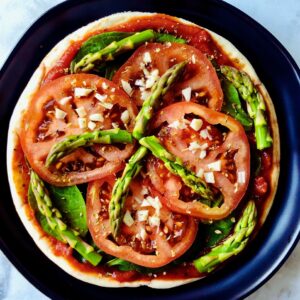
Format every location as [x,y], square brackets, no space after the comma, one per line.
[65,5]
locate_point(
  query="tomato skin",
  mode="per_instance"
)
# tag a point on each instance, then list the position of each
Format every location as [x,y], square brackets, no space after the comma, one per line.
[236,141]
[199,74]
[41,130]
[98,224]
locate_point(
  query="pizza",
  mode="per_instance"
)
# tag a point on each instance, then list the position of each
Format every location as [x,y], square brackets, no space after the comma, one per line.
[144,150]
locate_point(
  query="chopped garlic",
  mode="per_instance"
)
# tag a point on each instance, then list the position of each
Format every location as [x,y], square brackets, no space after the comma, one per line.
[194,146]
[65,100]
[96,117]
[115,125]
[104,85]
[107,105]
[193,59]
[92,125]
[81,112]
[126,87]
[154,221]
[202,154]
[217,231]
[100,97]
[196,124]
[143,233]
[59,114]
[144,191]
[157,50]
[200,173]
[127,219]
[125,116]
[209,177]
[140,82]
[147,58]
[82,123]
[204,134]
[145,203]
[142,215]
[155,203]
[82,92]
[215,166]
[204,146]
[177,125]
[187,93]
[152,78]
[241,177]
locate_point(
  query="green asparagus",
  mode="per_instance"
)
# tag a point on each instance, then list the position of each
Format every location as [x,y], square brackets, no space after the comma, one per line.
[232,245]
[72,142]
[120,189]
[112,50]
[175,166]
[54,220]
[255,104]
[233,104]
[158,90]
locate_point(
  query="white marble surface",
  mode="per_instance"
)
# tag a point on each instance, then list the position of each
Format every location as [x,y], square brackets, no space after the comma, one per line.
[282,18]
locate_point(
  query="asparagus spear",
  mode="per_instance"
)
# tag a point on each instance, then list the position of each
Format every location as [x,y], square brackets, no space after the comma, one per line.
[112,50]
[158,90]
[233,104]
[120,189]
[54,220]
[72,142]
[255,104]
[232,245]
[175,166]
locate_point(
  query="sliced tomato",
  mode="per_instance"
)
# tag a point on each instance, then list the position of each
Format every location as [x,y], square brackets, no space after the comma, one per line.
[218,152]
[150,235]
[54,113]
[152,60]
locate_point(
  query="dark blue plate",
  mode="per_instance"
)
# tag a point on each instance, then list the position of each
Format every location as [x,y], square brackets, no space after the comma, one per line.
[278,72]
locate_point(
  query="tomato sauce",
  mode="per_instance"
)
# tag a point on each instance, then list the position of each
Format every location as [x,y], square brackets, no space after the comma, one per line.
[197,37]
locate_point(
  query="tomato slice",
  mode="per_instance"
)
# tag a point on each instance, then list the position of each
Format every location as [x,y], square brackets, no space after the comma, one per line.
[153,59]
[69,105]
[218,152]
[150,236]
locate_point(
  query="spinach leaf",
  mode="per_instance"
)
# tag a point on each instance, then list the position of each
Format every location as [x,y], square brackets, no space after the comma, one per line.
[165,37]
[124,265]
[98,42]
[217,231]
[40,217]
[69,201]
[233,105]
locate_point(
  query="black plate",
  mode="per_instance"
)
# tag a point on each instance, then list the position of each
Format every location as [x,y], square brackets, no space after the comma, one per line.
[278,72]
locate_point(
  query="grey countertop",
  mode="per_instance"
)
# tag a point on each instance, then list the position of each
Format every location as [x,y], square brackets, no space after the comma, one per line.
[281,18]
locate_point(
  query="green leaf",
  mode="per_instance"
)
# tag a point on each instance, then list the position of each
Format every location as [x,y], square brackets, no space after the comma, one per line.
[217,231]
[98,42]
[232,105]
[124,265]
[165,37]
[40,217]
[69,201]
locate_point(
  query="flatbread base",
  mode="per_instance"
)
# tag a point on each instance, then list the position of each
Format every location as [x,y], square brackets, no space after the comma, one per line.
[41,239]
